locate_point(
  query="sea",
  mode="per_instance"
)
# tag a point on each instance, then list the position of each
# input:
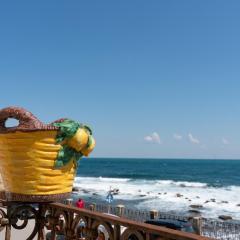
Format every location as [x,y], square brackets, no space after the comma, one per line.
[167,185]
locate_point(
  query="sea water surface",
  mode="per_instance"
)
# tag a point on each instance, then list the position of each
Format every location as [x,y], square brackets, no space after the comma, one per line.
[165,184]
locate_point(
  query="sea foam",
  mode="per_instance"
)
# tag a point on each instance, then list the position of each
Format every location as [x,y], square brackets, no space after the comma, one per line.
[167,195]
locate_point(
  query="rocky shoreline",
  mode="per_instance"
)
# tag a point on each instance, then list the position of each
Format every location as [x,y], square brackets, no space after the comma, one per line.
[194,210]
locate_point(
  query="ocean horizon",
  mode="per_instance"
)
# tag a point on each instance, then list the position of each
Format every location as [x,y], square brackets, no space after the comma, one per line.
[172,185]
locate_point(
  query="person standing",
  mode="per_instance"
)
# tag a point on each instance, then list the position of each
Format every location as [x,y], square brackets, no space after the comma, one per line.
[80,203]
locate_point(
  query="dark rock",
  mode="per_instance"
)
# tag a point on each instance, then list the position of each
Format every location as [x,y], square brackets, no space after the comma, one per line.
[75,189]
[213,200]
[224,201]
[207,201]
[238,205]
[182,185]
[159,193]
[196,206]
[194,211]
[179,195]
[225,217]
[197,197]
[165,193]
[85,191]
[95,194]
[142,195]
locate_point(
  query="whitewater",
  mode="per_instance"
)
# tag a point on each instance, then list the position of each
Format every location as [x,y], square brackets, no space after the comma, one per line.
[166,195]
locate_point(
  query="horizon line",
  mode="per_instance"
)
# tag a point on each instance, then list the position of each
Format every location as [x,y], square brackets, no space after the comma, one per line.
[153,158]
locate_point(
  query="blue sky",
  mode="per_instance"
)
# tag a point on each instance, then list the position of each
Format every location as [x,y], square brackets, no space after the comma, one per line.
[152,78]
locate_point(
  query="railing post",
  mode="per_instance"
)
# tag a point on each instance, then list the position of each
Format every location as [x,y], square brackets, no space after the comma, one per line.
[8,226]
[41,221]
[69,201]
[197,224]
[120,210]
[117,232]
[153,214]
[92,207]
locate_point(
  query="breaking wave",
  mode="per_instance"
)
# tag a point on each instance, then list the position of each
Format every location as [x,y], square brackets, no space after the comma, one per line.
[172,195]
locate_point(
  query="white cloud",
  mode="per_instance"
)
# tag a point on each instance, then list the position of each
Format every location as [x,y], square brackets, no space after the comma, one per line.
[177,136]
[225,141]
[154,138]
[203,146]
[148,138]
[193,139]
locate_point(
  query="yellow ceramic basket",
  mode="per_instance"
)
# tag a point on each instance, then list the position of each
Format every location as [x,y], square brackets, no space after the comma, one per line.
[27,156]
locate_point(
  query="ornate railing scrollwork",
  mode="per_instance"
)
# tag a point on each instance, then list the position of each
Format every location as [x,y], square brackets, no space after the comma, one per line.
[132,234]
[3,220]
[52,220]
[17,216]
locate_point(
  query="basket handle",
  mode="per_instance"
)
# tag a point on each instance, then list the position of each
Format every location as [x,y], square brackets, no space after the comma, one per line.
[27,121]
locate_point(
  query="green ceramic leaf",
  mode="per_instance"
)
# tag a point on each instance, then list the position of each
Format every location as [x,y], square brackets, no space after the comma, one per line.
[67,129]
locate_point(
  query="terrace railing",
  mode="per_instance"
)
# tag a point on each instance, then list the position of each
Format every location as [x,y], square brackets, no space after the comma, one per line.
[67,222]
[217,229]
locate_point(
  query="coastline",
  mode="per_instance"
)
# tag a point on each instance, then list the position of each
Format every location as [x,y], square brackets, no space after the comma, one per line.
[162,184]
[167,197]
